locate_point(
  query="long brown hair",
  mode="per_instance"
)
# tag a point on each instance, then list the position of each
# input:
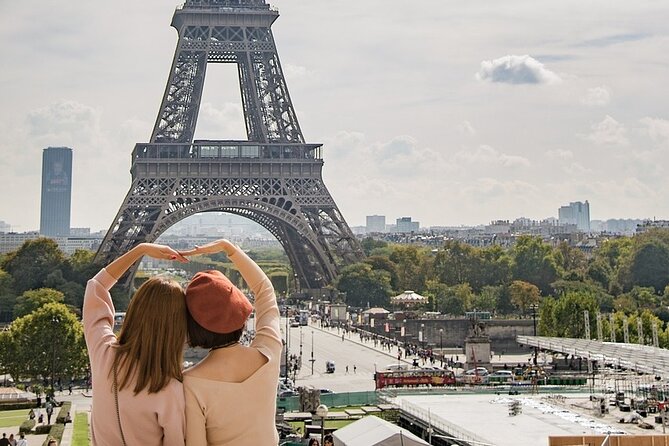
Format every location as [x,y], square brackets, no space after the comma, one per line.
[150,345]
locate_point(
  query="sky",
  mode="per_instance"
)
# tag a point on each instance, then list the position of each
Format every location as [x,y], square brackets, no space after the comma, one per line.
[450,112]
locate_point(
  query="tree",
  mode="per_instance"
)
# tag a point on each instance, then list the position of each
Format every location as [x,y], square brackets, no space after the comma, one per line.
[453,300]
[370,245]
[7,296]
[649,265]
[568,314]
[383,263]
[32,263]
[487,299]
[455,263]
[494,268]
[571,261]
[47,341]
[523,295]
[34,299]
[534,263]
[409,266]
[364,286]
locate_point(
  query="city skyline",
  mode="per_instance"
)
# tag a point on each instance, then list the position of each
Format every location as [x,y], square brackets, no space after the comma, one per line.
[446,113]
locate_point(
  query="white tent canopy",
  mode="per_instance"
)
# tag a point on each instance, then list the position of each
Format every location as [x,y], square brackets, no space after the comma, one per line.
[373,431]
[409,297]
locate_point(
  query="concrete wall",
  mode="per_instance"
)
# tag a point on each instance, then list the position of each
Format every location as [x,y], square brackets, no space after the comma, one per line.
[502,332]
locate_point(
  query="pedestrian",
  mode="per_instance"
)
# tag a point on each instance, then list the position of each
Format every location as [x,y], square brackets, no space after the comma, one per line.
[49,412]
[4,441]
[313,442]
[12,440]
[347,369]
[69,388]
[52,442]
[31,414]
[22,440]
[138,374]
[354,368]
[231,393]
[328,440]
[40,418]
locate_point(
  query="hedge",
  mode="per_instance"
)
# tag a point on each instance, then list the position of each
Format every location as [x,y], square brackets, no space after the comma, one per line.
[27,426]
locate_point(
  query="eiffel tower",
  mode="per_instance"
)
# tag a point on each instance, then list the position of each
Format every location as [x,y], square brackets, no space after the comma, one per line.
[274,178]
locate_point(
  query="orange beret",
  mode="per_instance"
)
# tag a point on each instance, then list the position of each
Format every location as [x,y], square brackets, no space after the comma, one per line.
[216,303]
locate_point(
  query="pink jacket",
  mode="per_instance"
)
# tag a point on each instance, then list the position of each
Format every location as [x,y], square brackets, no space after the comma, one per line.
[147,419]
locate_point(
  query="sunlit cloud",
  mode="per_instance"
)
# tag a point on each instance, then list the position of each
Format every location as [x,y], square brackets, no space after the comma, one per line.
[516,70]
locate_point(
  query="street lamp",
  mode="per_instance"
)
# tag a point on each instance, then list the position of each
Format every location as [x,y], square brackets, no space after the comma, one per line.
[441,345]
[422,335]
[312,360]
[54,321]
[322,412]
[534,323]
[404,333]
[287,328]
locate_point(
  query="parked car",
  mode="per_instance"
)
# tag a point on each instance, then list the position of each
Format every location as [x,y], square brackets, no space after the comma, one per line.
[288,393]
[329,366]
[481,371]
[501,376]
[325,391]
[395,367]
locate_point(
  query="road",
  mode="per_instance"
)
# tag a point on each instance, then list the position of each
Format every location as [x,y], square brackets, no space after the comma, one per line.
[328,345]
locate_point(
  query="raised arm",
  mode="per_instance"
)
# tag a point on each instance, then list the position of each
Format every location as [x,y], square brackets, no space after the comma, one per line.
[98,310]
[267,311]
[119,266]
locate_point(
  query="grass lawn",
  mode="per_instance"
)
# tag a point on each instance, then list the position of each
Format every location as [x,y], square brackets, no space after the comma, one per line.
[80,431]
[11,418]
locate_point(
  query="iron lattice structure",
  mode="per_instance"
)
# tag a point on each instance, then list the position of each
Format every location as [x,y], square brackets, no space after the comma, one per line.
[274,178]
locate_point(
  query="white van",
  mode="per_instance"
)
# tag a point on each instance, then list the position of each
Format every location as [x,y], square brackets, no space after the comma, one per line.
[396,367]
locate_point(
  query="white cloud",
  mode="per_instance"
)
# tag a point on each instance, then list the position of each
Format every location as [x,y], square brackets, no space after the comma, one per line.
[657,129]
[577,169]
[466,128]
[516,70]
[213,122]
[597,96]
[608,131]
[489,155]
[294,72]
[64,123]
[560,154]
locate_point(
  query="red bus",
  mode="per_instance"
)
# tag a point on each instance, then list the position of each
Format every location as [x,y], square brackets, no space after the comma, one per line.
[416,377]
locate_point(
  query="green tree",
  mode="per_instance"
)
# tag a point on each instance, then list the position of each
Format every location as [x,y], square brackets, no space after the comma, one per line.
[34,299]
[48,340]
[7,296]
[568,314]
[370,245]
[455,263]
[487,299]
[523,295]
[494,268]
[649,265]
[571,261]
[378,262]
[32,263]
[534,263]
[410,267]
[453,300]
[364,286]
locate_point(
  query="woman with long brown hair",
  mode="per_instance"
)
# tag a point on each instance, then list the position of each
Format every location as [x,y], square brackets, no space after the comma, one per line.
[137,377]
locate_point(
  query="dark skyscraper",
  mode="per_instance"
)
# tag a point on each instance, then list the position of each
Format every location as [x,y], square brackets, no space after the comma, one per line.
[56,192]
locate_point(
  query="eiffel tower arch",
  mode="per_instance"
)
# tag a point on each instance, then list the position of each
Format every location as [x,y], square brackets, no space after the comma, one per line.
[274,178]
